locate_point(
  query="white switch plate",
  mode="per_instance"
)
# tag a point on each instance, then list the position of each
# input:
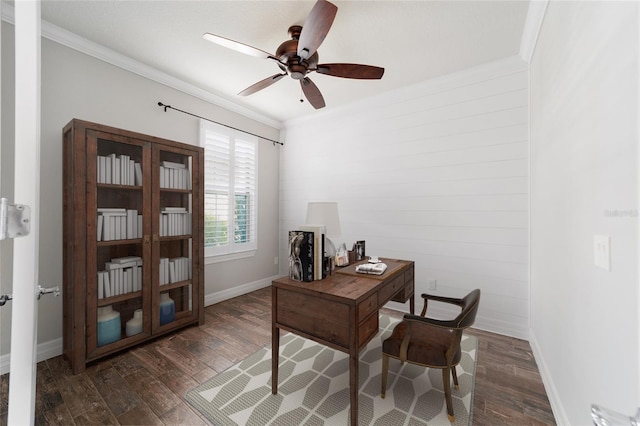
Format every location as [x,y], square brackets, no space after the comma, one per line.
[431,284]
[602,251]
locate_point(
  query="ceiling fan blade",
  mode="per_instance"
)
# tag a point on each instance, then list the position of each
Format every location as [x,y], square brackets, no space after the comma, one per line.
[312,93]
[316,27]
[364,72]
[262,84]
[237,46]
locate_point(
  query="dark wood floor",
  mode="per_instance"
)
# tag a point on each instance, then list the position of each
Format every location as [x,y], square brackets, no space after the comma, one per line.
[146,385]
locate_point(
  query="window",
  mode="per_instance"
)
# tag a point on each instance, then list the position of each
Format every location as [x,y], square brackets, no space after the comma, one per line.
[230,190]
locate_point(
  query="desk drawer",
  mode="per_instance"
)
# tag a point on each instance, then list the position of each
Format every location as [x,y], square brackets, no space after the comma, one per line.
[308,315]
[367,329]
[368,306]
[391,288]
[404,294]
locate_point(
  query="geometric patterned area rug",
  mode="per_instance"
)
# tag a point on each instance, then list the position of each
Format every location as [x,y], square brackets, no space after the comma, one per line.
[314,388]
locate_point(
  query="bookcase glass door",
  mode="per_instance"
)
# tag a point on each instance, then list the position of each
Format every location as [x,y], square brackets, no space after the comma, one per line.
[118,300]
[173,240]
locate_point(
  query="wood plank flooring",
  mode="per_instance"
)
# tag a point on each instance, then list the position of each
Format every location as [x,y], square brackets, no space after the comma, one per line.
[146,385]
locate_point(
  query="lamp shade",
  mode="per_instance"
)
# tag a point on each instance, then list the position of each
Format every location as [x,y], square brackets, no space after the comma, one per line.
[324,213]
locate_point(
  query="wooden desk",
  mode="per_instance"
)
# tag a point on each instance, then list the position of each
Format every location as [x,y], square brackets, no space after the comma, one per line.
[340,311]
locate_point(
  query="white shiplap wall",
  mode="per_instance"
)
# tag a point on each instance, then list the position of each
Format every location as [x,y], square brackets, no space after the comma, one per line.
[436,173]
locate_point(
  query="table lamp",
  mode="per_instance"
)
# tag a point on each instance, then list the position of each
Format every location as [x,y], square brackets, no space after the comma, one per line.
[325,213]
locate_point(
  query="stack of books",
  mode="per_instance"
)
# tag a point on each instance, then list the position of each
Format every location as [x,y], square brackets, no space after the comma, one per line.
[122,275]
[174,221]
[174,270]
[121,170]
[174,175]
[118,224]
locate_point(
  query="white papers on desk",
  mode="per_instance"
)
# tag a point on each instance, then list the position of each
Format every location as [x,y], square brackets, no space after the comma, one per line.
[371,268]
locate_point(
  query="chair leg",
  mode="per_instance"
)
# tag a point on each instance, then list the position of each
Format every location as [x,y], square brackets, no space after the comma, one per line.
[385,369]
[454,374]
[446,372]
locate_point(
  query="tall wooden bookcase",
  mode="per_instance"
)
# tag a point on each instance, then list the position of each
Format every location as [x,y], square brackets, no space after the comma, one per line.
[133,230]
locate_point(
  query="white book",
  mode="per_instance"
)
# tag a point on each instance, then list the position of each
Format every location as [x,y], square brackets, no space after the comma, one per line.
[128,280]
[107,284]
[120,273]
[100,285]
[138,174]
[126,259]
[114,211]
[111,168]
[172,272]
[116,228]
[106,232]
[124,169]
[99,226]
[139,226]
[172,165]
[174,209]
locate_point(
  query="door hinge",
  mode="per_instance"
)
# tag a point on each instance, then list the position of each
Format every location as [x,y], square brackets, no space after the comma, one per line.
[15,220]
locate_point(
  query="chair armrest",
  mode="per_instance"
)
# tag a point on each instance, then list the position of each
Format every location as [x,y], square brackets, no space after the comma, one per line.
[452,300]
[427,297]
[451,324]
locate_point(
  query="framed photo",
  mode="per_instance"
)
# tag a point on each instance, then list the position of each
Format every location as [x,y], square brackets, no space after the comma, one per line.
[360,250]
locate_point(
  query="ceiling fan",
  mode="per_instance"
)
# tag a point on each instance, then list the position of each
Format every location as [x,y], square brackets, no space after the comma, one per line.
[298,57]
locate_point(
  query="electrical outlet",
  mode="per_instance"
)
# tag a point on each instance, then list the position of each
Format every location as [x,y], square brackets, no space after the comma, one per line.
[275,260]
[602,251]
[431,284]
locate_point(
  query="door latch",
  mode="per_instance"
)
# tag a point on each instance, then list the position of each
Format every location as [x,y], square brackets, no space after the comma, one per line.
[41,290]
[4,298]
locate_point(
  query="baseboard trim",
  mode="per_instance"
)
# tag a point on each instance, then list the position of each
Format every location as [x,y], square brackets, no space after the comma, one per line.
[482,323]
[54,348]
[221,296]
[557,408]
[44,351]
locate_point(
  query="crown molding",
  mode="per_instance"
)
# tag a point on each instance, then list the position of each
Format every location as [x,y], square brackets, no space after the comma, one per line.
[532,26]
[98,51]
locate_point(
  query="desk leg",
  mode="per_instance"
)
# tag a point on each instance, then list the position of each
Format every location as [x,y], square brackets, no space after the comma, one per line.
[275,357]
[354,385]
[412,304]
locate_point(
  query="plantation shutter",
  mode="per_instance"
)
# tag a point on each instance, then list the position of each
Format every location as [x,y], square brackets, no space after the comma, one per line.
[230,190]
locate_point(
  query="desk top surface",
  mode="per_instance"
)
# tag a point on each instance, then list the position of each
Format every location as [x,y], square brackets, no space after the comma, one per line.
[345,283]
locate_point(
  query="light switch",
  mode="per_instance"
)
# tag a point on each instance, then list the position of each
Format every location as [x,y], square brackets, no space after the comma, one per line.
[602,251]
[431,284]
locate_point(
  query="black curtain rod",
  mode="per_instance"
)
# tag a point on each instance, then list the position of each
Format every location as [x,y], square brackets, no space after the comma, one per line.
[160,104]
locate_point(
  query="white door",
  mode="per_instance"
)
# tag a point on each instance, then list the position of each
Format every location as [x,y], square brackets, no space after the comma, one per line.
[22,378]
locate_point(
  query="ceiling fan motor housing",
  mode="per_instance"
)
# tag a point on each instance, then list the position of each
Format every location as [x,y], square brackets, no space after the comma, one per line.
[287,53]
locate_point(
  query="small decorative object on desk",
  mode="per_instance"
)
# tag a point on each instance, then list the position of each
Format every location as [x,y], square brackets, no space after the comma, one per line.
[359,249]
[342,256]
[371,268]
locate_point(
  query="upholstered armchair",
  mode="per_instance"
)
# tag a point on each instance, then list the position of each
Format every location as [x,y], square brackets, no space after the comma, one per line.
[431,342]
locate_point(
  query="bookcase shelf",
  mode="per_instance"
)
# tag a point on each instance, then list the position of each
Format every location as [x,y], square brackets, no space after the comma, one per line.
[116,212]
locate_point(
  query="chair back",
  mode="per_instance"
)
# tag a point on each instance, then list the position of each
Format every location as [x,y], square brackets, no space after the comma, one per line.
[469,306]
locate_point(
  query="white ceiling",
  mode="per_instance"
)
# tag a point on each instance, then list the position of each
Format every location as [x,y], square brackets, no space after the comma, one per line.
[413,40]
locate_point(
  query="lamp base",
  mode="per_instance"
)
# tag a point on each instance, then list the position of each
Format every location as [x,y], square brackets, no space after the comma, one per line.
[329,248]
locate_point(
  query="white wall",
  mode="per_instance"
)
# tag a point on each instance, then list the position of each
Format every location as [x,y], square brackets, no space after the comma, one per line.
[436,173]
[75,85]
[584,167]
